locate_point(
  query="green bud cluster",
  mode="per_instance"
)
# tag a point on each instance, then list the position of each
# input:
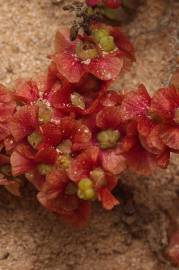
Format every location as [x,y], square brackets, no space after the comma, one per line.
[34,139]
[108,138]
[86,190]
[105,40]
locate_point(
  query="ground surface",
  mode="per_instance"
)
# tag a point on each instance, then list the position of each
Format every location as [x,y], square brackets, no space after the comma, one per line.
[33,239]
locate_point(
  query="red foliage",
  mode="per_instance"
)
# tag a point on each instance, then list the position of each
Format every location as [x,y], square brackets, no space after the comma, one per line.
[54,196]
[108,3]
[165,104]
[105,66]
[73,137]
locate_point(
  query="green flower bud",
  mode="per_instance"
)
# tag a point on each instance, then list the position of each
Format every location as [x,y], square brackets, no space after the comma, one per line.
[86,51]
[86,195]
[64,161]
[100,33]
[34,139]
[65,147]
[86,190]
[108,138]
[107,43]
[44,169]
[85,183]
[98,176]
[77,100]
[45,112]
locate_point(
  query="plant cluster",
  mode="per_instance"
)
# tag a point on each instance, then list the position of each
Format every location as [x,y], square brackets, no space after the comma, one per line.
[71,136]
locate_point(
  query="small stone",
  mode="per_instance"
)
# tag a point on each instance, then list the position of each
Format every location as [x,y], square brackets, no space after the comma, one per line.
[4,256]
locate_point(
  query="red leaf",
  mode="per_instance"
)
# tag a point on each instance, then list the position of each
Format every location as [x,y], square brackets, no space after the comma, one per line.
[24,122]
[123,43]
[152,141]
[82,134]
[164,102]
[4,131]
[26,91]
[105,68]
[47,155]
[51,134]
[111,98]
[141,161]
[62,41]
[22,160]
[113,163]
[135,104]
[107,199]
[12,186]
[4,159]
[112,3]
[93,3]
[109,117]
[69,66]
[83,164]
[170,136]
[163,160]
[7,104]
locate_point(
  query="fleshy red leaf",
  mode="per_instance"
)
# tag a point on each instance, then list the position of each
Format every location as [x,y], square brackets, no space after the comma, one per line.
[170,136]
[83,164]
[62,41]
[163,159]
[152,142]
[7,104]
[111,98]
[141,161]
[26,91]
[123,43]
[51,134]
[4,159]
[69,66]
[105,68]
[12,186]
[22,160]
[109,117]
[112,3]
[93,3]
[24,122]
[113,163]
[82,134]
[4,131]
[107,199]
[47,155]
[164,102]
[135,104]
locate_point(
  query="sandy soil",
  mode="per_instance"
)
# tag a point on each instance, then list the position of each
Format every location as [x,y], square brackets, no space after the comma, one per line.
[33,239]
